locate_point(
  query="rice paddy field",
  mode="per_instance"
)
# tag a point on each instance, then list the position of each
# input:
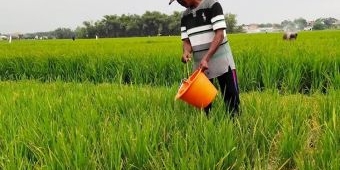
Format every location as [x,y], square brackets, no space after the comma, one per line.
[109,104]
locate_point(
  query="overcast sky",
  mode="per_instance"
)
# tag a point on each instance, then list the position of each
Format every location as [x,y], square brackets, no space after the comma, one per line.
[27,16]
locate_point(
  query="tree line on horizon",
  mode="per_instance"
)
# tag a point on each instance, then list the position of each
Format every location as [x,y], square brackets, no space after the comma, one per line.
[149,24]
[154,23]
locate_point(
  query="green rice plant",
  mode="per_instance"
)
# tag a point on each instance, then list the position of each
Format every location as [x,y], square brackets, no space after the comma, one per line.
[290,61]
[263,61]
[114,126]
[250,72]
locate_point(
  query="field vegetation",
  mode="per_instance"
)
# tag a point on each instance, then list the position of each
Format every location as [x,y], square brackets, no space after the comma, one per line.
[109,104]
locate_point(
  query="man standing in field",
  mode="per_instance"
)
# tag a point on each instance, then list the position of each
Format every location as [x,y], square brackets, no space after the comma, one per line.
[203,35]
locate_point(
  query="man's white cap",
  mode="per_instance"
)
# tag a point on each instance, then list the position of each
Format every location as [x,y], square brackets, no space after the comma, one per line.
[171,1]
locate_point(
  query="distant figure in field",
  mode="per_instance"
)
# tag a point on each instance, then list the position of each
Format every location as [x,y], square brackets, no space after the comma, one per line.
[290,35]
[73,37]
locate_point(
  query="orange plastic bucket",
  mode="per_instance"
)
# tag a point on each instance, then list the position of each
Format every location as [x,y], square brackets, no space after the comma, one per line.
[197,90]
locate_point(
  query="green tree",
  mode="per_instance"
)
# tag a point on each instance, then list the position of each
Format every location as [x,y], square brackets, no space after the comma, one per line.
[174,24]
[90,29]
[80,32]
[231,23]
[300,23]
[265,25]
[112,26]
[152,23]
[130,25]
[63,33]
[288,25]
[149,24]
[329,22]
[319,25]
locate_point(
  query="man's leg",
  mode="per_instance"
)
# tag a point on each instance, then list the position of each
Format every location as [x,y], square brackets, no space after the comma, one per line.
[230,91]
[208,108]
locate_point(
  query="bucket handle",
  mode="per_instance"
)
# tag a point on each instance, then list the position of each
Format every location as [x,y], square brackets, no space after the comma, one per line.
[187,69]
